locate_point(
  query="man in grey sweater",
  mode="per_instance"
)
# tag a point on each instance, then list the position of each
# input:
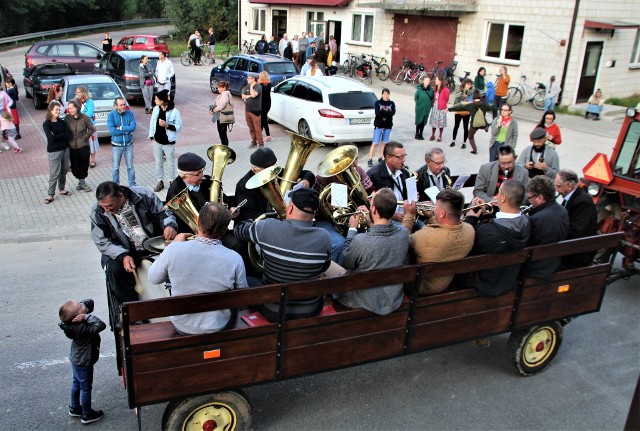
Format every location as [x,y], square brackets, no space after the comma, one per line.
[384,246]
[202,265]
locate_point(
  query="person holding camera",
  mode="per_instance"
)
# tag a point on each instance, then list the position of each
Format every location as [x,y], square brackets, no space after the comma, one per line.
[539,158]
[502,89]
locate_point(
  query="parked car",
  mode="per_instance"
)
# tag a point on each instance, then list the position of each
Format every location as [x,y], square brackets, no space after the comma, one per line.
[4,74]
[142,42]
[122,66]
[236,68]
[103,91]
[81,56]
[39,79]
[327,109]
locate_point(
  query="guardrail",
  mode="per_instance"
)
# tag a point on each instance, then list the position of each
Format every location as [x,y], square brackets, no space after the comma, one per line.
[43,34]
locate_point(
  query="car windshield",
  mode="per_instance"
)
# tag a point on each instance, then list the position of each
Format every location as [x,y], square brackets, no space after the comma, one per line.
[628,162]
[54,70]
[97,90]
[133,65]
[280,68]
[352,100]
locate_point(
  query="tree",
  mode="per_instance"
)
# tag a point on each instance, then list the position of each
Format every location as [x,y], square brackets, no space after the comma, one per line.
[189,15]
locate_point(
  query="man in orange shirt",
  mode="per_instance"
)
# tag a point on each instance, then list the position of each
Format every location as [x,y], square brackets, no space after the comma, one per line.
[502,89]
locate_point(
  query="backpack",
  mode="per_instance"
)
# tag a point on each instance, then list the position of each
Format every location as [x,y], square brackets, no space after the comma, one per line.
[479,121]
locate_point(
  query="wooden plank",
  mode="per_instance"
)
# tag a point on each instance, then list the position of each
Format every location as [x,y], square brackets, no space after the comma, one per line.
[347,329]
[194,355]
[474,263]
[447,296]
[449,331]
[164,385]
[564,287]
[575,246]
[341,353]
[450,310]
[342,314]
[559,307]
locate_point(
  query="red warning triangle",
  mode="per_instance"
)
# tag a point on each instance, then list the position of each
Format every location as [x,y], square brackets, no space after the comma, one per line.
[599,170]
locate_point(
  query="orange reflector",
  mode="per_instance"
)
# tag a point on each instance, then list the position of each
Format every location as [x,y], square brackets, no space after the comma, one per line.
[563,288]
[212,354]
[599,170]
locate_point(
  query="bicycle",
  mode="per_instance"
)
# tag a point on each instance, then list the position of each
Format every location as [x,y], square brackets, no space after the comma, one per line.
[231,48]
[381,68]
[363,71]
[246,48]
[349,65]
[187,58]
[535,95]
[409,72]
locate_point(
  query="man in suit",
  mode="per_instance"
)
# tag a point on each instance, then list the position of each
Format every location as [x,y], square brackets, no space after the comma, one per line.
[539,158]
[433,173]
[391,173]
[583,214]
[493,174]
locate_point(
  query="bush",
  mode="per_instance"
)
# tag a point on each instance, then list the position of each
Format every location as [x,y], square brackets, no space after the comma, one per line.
[629,102]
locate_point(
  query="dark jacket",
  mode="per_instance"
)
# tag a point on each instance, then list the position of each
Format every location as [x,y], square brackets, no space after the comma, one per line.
[85,348]
[424,182]
[80,130]
[384,114]
[198,198]
[583,222]
[57,135]
[493,236]
[107,234]
[261,46]
[380,178]
[549,224]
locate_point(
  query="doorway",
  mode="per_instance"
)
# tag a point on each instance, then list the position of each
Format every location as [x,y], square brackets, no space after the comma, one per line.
[278,23]
[590,68]
[335,29]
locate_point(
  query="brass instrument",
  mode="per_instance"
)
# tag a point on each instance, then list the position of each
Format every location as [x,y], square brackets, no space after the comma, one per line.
[339,163]
[220,156]
[301,148]
[524,209]
[488,207]
[411,171]
[421,207]
[265,180]
[182,206]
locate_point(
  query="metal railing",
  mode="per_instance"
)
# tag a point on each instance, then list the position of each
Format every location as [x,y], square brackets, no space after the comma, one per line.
[43,34]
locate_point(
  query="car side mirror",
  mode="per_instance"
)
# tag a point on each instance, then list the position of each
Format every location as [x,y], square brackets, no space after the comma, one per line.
[226,69]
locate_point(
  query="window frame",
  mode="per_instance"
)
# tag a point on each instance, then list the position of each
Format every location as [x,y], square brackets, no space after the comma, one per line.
[503,46]
[635,52]
[262,19]
[363,20]
[314,20]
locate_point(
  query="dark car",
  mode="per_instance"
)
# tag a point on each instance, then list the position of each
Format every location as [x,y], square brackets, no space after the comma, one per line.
[81,56]
[142,42]
[38,79]
[122,66]
[236,69]
[4,74]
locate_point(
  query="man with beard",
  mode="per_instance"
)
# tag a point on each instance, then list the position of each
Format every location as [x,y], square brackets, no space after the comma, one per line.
[539,158]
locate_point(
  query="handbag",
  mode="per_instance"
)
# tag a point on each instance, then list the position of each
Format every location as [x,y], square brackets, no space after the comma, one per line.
[148,81]
[226,115]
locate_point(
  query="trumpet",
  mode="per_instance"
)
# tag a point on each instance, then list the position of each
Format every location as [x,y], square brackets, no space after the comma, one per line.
[421,207]
[343,215]
[487,210]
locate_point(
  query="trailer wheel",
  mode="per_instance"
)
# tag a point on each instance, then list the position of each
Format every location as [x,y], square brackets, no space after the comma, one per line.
[532,349]
[220,411]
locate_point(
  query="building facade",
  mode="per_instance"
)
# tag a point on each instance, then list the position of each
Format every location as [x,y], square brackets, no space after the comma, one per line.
[586,44]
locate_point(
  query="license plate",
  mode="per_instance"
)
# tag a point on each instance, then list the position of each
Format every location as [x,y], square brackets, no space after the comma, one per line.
[359,120]
[102,114]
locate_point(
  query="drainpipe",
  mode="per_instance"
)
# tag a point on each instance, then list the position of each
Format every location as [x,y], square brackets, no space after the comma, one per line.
[569,45]
[239,25]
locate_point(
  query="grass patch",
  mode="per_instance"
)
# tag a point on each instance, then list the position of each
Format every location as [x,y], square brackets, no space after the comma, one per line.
[568,111]
[177,47]
[629,102]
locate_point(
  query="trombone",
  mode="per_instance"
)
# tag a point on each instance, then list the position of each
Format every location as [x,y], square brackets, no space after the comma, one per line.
[488,207]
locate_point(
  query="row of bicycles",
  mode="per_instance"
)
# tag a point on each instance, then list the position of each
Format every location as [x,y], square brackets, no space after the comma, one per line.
[365,66]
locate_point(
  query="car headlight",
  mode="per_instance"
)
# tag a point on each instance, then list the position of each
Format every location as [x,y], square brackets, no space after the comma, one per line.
[594,188]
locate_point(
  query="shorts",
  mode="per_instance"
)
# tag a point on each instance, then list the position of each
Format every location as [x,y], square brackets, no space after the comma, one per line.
[212,48]
[9,133]
[383,134]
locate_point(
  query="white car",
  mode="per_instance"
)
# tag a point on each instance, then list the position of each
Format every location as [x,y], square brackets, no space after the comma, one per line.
[103,91]
[327,109]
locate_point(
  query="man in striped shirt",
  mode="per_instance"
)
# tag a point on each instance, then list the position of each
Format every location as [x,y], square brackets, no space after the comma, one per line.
[293,250]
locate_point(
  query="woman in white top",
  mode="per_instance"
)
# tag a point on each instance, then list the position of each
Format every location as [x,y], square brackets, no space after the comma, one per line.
[314,70]
[224,97]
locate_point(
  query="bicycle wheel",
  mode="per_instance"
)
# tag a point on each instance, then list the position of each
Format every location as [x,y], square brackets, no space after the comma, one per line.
[538,100]
[346,67]
[398,76]
[369,76]
[514,96]
[451,85]
[417,78]
[206,58]
[185,58]
[383,72]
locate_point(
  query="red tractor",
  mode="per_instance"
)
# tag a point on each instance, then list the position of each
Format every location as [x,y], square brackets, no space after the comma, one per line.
[615,186]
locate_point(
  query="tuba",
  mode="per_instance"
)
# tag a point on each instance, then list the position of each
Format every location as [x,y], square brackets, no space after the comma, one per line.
[339,163]
[220,156]
[301,148]
[266,181]
[182,206]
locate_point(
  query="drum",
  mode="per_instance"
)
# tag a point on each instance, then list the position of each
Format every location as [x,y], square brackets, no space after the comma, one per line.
[146,289]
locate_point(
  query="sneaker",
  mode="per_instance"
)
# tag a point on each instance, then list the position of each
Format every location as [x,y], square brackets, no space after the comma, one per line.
[6,147]
[253,144]
[370,163]
[79,187]
[86,187]
[453,144]
[463,146]
[159,186]
[267,139]
[18,136]
[75,412]
[94,416]
[379,159]
[17,150]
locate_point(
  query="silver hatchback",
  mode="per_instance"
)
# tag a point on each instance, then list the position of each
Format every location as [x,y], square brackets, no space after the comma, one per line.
[103,91]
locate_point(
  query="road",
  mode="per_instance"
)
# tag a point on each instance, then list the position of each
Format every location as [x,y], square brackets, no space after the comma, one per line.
[47,257]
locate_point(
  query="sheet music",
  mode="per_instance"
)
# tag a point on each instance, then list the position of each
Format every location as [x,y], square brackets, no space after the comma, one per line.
[339,195]
[412,189]
[460,182]
[432,192]
[287,198]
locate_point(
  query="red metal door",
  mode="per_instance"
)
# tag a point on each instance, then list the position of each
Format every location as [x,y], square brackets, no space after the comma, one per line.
[424,39]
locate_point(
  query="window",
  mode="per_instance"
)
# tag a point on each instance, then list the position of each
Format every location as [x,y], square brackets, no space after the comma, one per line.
[315,23]
[286,87]
[362,28]
[230,64]
[65,50]
[87,51]
[628,162]
[300,91]
[635,53]
[504,41]
[257,19]
[280,68]
[140,40]
[242,64]
[253,67]
[352,100]
[314,94]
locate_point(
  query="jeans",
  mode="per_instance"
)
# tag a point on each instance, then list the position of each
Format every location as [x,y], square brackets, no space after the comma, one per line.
[116,157]
[81,388]
[337,240]
[549,104]
[58,168]
[168,151]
